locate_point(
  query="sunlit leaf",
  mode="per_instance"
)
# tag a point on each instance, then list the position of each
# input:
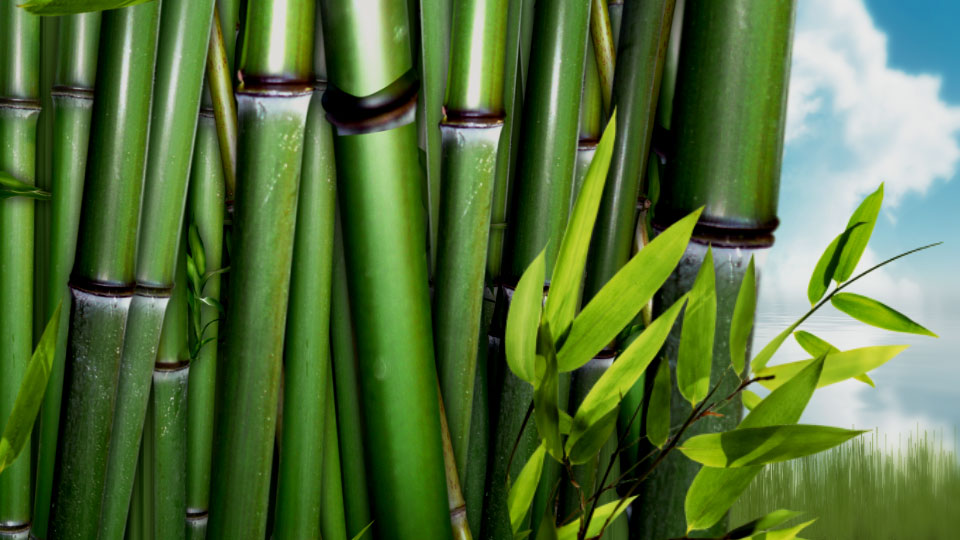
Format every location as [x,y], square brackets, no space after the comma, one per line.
[750,399]
[523,319]
[11,187]
[764,356]
[19,425]
[568,271]
[695,354]
[838,366]
[742,322]
[817,347]
[521,493]
[658,413]
[789,533]
[620,377]
[546,390]
[869,311]
[850,255]
[619,301]
[590,441]
[600,516]
[66,7]
[769,521]
[743,447]
[827,265]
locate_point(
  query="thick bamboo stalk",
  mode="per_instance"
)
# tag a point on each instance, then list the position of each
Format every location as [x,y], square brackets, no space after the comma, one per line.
[103,273]
[72,97]
[728,159]
[272,104]
[307,350]
[178,80]
[332,515]
[19,112]
[371,99]
[470,131]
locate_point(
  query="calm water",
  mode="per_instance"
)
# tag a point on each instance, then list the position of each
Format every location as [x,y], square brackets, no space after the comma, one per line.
[920,387]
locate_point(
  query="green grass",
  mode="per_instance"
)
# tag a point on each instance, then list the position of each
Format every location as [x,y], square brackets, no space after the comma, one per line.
[871,487]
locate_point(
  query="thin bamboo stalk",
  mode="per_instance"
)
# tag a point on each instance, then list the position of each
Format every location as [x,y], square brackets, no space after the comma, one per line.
[332,515]
[723,44]
[19,111]
[455,502]
[604,50]
[103,273]
[272,102]
[383,225]
[72,97]
[49,30]
[224,105]
[178,80]
[307,351]
[615,11]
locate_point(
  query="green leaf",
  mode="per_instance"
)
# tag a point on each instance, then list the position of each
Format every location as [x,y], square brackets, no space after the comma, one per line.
[546,389]
[827,265]
[604,398]
[789,533]
[600,516]
[695,354]
[760,360]
[566,421]
[750,399]
[11,187]
[363,531]
[196,249]
[564,294]
[19,425]
[869,311]
[590,441]
[618,302]
[850,255]
[817,347]
[658,413]
[743,314]
[838,366]
[769,521]
[523,319]
[548,526]
[521,493]
[714,490]
[744,447]
[67,7]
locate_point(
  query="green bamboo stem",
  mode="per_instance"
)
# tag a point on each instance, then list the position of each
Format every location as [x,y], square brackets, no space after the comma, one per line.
[72,98]
[604,48]
[178,80]
[615,11]
[669,83]
[470,132]
[724,44]
[272,104]
[474,481]
[228,11]
[206,212]
[591,119]
[349,418]
[19,111]
[383,226]
[49,30]
[332,514]
[103,273]
[455,502]
[307,351]
[135,517]
[224,105]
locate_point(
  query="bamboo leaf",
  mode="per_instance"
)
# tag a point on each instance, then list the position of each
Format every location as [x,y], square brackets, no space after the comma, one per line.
[67,7]
[618,302]
[750,399]
[743,313]
[850,255]
[714,490]
[568,272]
[604,398]
[838,366]
[523,319]
[600,516]
[196,249]
[658,413]
[363,531]
[769,521]
[816,347]
[19,425]
[566,421]
[695,354]
[869,311]
[548,526]
[760,360]
[826,267]
[789,533]
[743,447]
[11,187]
[590,441]
[546,393]
[521,493]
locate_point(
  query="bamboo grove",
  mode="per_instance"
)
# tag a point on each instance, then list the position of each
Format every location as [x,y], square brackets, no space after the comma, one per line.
[297,269]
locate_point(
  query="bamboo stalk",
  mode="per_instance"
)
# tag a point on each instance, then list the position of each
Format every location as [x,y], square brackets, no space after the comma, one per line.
[224,105]
[332,515]
[738,181]
[383,226]
[272,103]
[49,30]
[178,80]
[604,49]
[72,97]
[615,12]
[455,502]
[307,352]
[19,111]
[103,273]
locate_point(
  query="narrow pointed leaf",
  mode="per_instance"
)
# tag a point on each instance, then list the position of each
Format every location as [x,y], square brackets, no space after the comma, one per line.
[625,294]
[743,313]
[572,257]
[363,531]
[66,7]
[521,493]
[658,414]
[760,360]
[548,527]
[850,255]
[744,447]
[769,521]
[11,187]
[826,267]
[790,533]
[600,516]
[545,394]
[838,367]
[695,354]
[589,442]
[750,399]
[16,431]
[523,319]
[869,311]
[816,347]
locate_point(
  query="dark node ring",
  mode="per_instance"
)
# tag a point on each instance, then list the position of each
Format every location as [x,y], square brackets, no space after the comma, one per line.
[389,108]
